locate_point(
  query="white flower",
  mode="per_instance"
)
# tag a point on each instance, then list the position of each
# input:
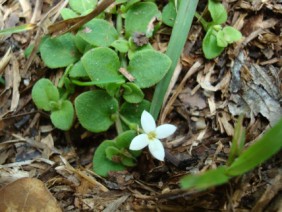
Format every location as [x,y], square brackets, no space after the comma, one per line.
[151,136]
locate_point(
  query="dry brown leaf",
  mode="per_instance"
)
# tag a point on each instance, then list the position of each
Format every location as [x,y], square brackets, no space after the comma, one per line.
[27,195]
[16,84]
[259,94]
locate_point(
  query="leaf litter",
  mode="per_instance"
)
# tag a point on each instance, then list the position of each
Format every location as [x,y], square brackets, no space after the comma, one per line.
[203,102]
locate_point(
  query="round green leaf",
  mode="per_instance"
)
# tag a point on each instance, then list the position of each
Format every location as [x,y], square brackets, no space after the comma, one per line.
[210,47]
[220,39]
[78,70]
[124,139]
[67,13]
[112,153]
[101,164]
[132,93]
[94,110]
[148,67]
[139,16]
[81,44]
[81,6]
[59,52]
[101,65]
[231,34]
[132,112]
[169,14]
[217,11]
[63,118]
[44,92]
[120,45]
[99,32]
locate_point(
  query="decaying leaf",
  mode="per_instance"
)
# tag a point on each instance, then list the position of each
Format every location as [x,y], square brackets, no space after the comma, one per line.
[259,94]
[27,195]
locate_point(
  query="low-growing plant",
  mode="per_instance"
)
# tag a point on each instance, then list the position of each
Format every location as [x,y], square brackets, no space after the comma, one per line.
[217,36]
[116,63]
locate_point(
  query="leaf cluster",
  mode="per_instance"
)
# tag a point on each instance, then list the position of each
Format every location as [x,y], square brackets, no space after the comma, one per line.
[115,63]
[217,37]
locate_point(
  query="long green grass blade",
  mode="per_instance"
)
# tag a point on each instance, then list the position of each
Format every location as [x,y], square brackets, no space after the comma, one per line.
[17,29]
[205,180]
[263,149]
[177,41]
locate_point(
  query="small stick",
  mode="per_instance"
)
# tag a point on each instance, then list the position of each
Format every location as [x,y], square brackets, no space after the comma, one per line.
[73,24]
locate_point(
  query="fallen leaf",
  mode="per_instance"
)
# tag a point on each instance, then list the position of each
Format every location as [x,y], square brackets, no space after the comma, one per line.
[27,195]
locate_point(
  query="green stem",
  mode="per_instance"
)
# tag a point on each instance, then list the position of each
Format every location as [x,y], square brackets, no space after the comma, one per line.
[118,125]
[65,95]
[178,38]
[80,83]
[131,125]
[119,24]
[202,20]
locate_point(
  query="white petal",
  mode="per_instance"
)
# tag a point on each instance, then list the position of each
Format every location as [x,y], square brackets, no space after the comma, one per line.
[147,122]
[139,142]
[157,149]
[165,130]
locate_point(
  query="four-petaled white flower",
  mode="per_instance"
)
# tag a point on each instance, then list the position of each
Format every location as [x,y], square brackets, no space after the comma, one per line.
[151,136]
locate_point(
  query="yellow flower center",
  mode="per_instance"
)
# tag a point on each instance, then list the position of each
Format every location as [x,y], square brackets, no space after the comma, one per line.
[152,135]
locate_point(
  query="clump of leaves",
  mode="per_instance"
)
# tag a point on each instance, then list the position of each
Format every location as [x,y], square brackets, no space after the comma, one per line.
[217,36]
[115,63]
[46,97]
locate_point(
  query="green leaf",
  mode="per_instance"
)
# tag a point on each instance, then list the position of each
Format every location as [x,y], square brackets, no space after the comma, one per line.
[99,32]
[132,112]
[81,6]
[132,93]
[120,45]
[205,180]
[238,140]
[17,29]
[78,71]
[169,14]
[67,13]
[148,67]
[139,16]
[231,34]
[81,44]
[44,92]
[220,39]
[130,162]
[63,118]
[133,48]
[94,110]
[113,89]
[123,140]
[113,154]
[217,11]
[210,47]
[265,147]
[59,52]
[101,164]
[101,65]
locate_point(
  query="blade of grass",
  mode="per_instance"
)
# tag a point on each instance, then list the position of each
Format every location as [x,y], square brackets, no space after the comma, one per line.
[264,148]
[238,140]
[17,29]
[177,41]
[210,178]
